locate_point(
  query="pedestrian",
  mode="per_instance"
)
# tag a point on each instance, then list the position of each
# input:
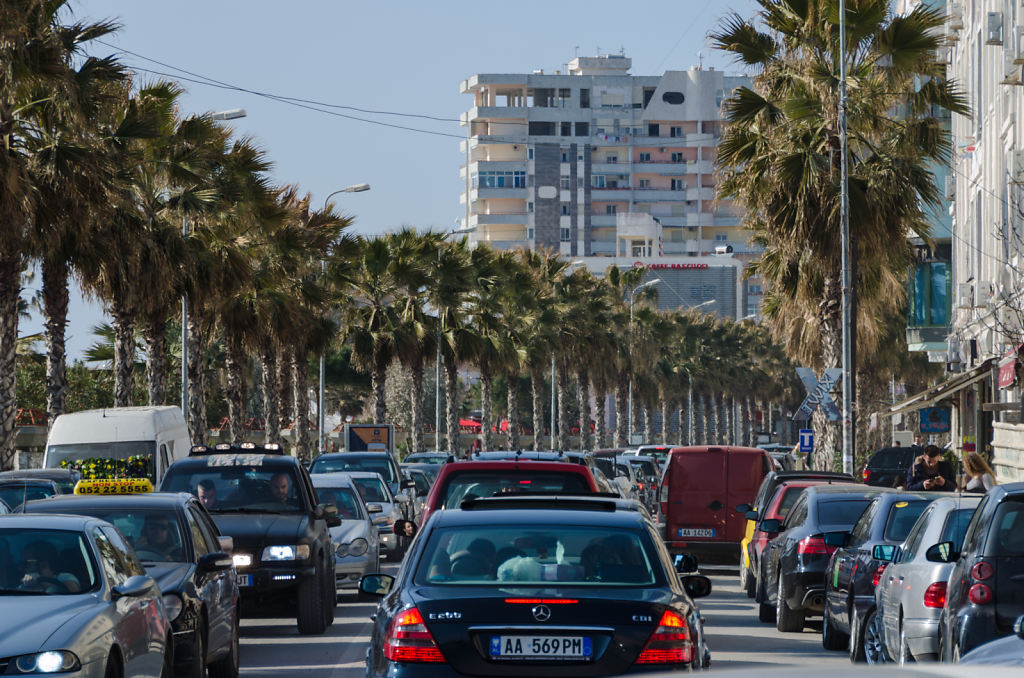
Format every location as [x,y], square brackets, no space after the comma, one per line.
[931,472]
[978,475]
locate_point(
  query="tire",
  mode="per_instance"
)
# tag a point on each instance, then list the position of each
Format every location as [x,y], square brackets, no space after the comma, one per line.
[744,574]
[311,617]
[197,663]
[786,619]
[113,667]
[749,582]
[832,639]
[167,670]
[227,666]
[330,597]
[874,647]
[856,646]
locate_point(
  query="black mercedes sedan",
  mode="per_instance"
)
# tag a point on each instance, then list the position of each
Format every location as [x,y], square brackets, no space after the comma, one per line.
[536,585]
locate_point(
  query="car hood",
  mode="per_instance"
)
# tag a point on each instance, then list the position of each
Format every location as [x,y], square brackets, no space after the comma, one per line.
[29,621]
[252,532]
[349,530]
[1008,651]
[169,576]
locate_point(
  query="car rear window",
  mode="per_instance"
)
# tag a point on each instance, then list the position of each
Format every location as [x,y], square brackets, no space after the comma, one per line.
[646,467]
[537,555]
[343,498]
[955,528]
[354,462]
[789,497]
[47,562]
[1008,530]
[371,489]
[459,487]
[841,512]
[15,495]
[891,457]
[902,516]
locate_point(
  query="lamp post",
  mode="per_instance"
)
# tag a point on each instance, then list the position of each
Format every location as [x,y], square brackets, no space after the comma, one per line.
[356,188]
[632,298]
[437,361]
[231,114]
[849,293]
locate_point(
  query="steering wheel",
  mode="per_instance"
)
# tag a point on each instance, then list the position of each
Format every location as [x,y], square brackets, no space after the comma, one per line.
[148,554]
[42,583]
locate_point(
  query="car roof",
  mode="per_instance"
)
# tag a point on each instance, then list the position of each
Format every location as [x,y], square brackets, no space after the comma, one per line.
[349,474]
[512,464]
[48,473]
[160,500]
[544,511]
[951,502]
[365,453]
[27,480]
[811,475]
[52,521]
[532,455]
[203,461]
[838,491]
[341,478]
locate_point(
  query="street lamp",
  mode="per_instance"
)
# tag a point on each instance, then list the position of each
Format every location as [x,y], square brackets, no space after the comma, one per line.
[355,188]
[632,298]
[231,114]
[437,361]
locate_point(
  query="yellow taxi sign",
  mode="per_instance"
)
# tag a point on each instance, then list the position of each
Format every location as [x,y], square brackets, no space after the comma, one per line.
[902,504]
[114,486]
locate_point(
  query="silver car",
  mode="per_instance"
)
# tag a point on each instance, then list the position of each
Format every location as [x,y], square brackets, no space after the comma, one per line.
[356,541]
[76,600]
[912,591]
[375,491]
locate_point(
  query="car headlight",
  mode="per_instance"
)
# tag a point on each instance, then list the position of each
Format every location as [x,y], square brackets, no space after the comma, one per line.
[357,547]
[51,661]
[300,552]
[172,605]
[341,550]
[241,559]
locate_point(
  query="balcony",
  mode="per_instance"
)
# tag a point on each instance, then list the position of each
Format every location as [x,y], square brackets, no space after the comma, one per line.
[603,220]
[927,337]
[701,193]
[503,244]
[494,166]
[663,169]
[478,112]
[612,168]
[513,219]
[602,246]
[507,193]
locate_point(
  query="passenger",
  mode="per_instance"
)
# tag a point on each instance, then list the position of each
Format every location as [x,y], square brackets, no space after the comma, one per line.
[38,570]
[158,536]
[207,493]
[538,551]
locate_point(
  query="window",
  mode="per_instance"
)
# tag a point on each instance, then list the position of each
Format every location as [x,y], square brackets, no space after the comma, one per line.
[579,182]
[721,237]
[566,209]
[529,154]
[599,181]
[910,546]
[584,98]
[644,157]
[611,159]
[678,184]
[529,234]
[677,157]
[610,209]
[529,207]
[507,179]
[902,516]
[582,130]
[675,131]
[565,234]
[565,156]
[566,129]
[654,130]
[754,289]
[565,182]
[199,540]
[564,93]
[861,532]
[645,183]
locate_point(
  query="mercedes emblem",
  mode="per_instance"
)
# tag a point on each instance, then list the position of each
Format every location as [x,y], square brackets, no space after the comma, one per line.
[541,613]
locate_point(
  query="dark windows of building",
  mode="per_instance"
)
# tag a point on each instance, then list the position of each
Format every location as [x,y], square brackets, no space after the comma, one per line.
[565,156]
[677,157]
[564,95]
[610,209]
[529,207]
[676,131]
[612,159]
[645,183]
[529,234]
[654,130]
[584,98]
[565,234]
[644,157]
[566,209]
[542,129]
[648,94]
[678,184]
[674,98]
[566,129]
[499,179]
[599,181]
[529,154]
[583,129]
[565,182]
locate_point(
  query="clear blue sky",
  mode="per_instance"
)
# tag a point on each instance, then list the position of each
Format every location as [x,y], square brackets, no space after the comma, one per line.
[403,56]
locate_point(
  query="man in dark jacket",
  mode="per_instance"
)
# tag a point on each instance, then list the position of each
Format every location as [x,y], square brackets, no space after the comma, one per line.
[931,472]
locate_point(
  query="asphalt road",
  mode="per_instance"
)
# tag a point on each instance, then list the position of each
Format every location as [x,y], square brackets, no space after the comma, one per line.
[272,647]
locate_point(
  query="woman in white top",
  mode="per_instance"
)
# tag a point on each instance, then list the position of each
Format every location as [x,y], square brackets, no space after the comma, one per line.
[978,474]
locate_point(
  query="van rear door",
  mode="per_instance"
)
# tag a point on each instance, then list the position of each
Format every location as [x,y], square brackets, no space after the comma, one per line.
[747,468]
[697,494]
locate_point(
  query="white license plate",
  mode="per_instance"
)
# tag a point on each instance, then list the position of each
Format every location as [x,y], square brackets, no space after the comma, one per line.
[696,532]
[244,579]
[541,647]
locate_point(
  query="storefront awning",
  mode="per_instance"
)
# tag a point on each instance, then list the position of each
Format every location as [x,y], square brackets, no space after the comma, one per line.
[943,391]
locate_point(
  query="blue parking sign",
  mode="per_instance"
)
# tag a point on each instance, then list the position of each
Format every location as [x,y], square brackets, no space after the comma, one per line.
[806,440]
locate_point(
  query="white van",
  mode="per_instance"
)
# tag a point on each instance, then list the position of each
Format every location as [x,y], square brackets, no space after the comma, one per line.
[158,433]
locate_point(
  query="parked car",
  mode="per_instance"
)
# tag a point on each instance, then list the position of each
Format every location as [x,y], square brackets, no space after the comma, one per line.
[853,573]
[985,594]
[912,592]
[16,491]
[793,564]
[64,477]
[356,540]
[888,466]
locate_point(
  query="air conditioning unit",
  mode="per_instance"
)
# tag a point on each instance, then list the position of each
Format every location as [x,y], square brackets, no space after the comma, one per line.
[952,34]
[950,188]
[1010,320]
[1015,166]
[1011,69]
[1018,45]
[723,249]
[955,15]
[983,293]
[994,29]
[965,295]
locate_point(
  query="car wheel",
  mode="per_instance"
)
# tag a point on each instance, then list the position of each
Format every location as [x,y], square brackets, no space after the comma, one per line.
[167,670]
[903,656]
[874,652]
[744,574]
[956,653]
[311,617]
[750,586]
[113,667]
[856,637]
[765,610]
[227,666]
[330,597]
[786,619]
[831,639]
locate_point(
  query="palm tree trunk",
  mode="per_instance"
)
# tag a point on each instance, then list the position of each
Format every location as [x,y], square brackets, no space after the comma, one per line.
[451,385]
[638,419]
[378,379]
[124,354]
[583,401]
[155,332]
[300,397]
[666,420]
[271,393]
[621,408]
[713,431]
[600,424]
[197,426]
[286,411]
[770,414]
[681,431]
[416,400]
[10,289]
[729,404]
[235,360]
[537,393]
[512,406]
[486,416]
[562,373]
[648,424]
[55,308]
[827,432]
[701,434]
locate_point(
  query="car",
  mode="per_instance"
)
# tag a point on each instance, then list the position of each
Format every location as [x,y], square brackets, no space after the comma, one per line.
[888,466]
[985,593]
[659,452]
[65,478]
[793,563]
[377,493]
[431,471]
[765,491]
[190,561]
[423,483]
[853,573]
[619,475]
[432,458]
[472,479]
[96,613]
[518,585]
[356,541]
[1007,651]
[265,501]
[16,491]
[912,591]
[648,474]
[403,489]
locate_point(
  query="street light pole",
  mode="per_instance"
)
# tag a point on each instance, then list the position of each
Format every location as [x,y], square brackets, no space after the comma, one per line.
[844,236]
[632,298]
[356,188]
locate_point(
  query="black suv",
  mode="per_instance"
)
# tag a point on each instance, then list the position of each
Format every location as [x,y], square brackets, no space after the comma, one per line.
[888,466]
[985,595]
[265,501]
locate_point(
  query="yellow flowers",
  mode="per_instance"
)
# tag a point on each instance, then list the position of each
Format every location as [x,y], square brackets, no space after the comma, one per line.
[136,466]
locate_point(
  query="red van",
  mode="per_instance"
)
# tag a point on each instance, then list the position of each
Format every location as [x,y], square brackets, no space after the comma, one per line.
[700,489]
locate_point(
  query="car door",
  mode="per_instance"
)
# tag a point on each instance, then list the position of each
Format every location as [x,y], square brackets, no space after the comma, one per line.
[845,563]
[778,546]
[891,586]
[213,588]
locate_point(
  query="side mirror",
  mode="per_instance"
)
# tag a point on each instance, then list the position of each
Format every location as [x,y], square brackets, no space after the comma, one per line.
[226,544]
[944,552]
[1018,626]
[407,484]
[772,525]
[696,585]
[745,508]
[837,539]
[374,508]
[685,562]
[218,561]
[376,584]
[330,514]
[884,552]
[405,528]
[750,515]
[133,587]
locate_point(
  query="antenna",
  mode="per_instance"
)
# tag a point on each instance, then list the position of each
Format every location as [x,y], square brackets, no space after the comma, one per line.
[700,61]
[577,50]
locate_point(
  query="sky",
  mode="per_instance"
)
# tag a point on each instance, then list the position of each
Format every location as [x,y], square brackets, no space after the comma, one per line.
[399,56]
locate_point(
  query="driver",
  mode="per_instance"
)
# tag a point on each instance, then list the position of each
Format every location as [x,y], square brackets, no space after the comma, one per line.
[37,564]
[207,493]
[157,536]
[280,487]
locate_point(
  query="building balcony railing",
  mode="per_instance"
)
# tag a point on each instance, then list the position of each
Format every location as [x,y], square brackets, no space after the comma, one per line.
[927,337]
[514,219]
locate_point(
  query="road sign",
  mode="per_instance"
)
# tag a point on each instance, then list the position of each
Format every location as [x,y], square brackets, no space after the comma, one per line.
[369,438]
[818,393]
[806,440]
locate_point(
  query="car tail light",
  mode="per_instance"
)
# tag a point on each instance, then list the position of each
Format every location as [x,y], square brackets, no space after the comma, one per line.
[409,640]
[866,474]
[935,595]
[670,643]
[980,594]
[814,546]
[982,571]
[878,574]
[639,486]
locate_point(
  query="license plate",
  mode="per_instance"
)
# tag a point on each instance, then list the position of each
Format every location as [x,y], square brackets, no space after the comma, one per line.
[696,532]
[541,647]
[244,579]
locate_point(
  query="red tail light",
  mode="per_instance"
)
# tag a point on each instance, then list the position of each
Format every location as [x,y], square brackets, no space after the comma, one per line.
[982,571]
[935,595]
[866,474]
[980,594]
[670,643]
[408,640]
[640,486]
[878,575]
[814,546]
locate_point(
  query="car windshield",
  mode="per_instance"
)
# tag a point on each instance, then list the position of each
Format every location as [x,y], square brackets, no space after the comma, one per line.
[156,535]
[44,562]
[537,555]
[342,497]
[902,516]
[237,487]
[606,466]
[841,512]
[476,484]
[354,462]
[372,490]
[105,460]
[644,467]
[14,495]
[955,528]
